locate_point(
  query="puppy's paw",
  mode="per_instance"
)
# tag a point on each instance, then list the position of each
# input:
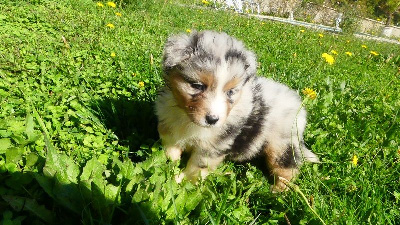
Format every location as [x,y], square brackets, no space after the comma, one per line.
[278,188]
[179,178]
[174,153]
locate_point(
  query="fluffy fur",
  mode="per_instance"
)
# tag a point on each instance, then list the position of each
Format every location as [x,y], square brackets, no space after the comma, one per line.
[215,107]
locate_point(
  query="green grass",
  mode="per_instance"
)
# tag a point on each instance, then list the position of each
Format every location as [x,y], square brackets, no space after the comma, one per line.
[78,138]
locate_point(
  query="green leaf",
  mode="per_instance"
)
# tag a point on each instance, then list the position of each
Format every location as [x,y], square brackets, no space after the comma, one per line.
[31,159]
[193,201]
[60,165]
[29,126]
[7,215]
[21,203]
[93,170]
[13,155]
[46,183]
[140,195]
[11,167]
[5,143]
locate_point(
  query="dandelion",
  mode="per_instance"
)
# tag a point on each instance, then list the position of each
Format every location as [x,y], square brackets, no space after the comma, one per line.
[328,58]
[111,4]
[99,4]
[355,160]
[302,31]
[374,53]
[118,14]
[205,2]
[110,25]
[349,53]
[188,30]
[141,84]
[348,41]
[378,19]
[113,54]
[321,35]
[310,93]
[334,52]
[364,46]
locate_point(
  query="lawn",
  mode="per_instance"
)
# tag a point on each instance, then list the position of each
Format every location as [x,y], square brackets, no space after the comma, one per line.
[78,138]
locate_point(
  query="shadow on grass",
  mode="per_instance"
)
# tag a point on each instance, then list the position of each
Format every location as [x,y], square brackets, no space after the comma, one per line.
[41,199]
[134,123]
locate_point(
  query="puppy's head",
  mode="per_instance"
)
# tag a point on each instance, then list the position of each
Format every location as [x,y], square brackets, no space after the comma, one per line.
[206,72]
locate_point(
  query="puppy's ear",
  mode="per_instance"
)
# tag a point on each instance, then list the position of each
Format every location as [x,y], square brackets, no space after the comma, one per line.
[179,48]
[251,62]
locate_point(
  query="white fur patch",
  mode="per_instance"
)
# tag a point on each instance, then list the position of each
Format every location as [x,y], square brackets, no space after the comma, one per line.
[174,153]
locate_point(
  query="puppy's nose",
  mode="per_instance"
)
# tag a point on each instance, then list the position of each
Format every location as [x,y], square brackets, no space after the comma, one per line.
[212,119]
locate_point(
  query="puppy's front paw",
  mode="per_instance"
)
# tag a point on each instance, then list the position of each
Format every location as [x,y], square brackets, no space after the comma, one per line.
[179,178]
[278,188]
[281,185]
[174,153]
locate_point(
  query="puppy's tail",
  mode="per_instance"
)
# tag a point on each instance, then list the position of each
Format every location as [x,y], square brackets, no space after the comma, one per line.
[308,155]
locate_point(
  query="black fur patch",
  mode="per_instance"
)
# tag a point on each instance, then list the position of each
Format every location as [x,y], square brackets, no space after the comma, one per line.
[202,165]
[235,54]
[290,158]
[230,131]
[248,77]
[251,128]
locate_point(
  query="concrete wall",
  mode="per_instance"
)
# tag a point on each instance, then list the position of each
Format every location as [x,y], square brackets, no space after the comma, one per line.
[323,15]
[318,14]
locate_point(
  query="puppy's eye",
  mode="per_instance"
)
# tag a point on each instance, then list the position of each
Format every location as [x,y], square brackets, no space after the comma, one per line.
[231,92]
[198,86]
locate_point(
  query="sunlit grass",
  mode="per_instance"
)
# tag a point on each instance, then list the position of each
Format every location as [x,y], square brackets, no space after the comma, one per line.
[86,74]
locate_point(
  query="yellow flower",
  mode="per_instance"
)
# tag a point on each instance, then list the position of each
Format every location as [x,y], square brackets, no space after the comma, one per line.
[141,84]
[118,14]
[363,46]
[310,93]
[355,160]
[188,30]
[328,58]
[374,53]
[99,4]
[321,35]
[110,25]
[378,19]
[348,41]
[205,2]
[349,53]
[111,4]
[113,54]
[263,23]
[334,52]
[302,31]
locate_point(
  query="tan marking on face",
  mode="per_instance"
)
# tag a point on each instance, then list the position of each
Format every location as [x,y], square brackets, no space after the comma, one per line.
[231,84]
[207,79]
[194,105]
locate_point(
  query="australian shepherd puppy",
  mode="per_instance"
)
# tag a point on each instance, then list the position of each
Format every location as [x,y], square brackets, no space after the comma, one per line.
[215,107]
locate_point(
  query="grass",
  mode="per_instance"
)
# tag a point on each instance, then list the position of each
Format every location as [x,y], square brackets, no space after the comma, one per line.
[78,138]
